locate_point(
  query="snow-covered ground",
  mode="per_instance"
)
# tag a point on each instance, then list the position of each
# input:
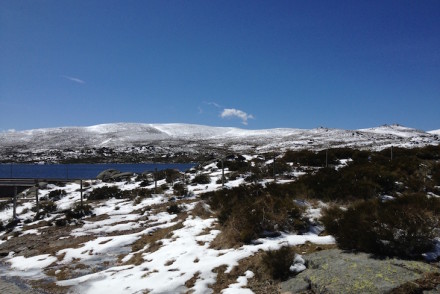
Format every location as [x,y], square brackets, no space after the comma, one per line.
[115,267]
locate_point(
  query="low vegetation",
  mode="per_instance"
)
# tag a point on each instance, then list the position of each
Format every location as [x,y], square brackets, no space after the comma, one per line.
[403,227]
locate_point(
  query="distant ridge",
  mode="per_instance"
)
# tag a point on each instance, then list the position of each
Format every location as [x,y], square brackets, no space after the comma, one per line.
[193,139]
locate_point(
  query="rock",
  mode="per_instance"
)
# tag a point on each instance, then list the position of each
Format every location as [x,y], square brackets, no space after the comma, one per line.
[107,174]
[122,176]
[335,271]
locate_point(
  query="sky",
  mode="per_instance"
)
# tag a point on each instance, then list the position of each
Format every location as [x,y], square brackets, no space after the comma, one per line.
[248,64]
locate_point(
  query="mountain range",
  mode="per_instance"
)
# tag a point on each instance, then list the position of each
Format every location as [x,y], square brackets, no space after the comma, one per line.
[191,139]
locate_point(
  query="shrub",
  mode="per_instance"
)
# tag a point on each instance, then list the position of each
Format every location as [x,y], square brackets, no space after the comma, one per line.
[45,207]
[145,183]
[278,262]
[106,193]
[174,209]
[202,179]
[56,195]
[179,189]
[249,212]
[402,227]
[79,211]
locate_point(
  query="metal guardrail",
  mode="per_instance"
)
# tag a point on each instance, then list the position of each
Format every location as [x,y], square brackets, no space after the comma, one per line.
[21,182]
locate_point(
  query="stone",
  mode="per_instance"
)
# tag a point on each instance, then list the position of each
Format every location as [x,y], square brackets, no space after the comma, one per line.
[335,271]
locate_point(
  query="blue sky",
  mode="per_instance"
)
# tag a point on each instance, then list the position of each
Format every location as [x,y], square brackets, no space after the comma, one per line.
[251,64]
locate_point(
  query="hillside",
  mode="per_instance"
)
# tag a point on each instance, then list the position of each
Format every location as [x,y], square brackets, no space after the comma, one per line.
[252,231]
[172,141]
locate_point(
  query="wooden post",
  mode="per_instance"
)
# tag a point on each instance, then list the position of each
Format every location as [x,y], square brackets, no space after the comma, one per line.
[155,180]
[81,191]
[14,212]
[326,157]
[36,197]
[391,152]
[223,174]
[274,173]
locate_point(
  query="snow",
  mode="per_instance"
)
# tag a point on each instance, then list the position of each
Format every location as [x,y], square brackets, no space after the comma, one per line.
[299,264]
[241,282]
[192,138]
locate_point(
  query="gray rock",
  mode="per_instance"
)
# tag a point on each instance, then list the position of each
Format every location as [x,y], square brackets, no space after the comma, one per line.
[122,176]
[107,174]
[334,271]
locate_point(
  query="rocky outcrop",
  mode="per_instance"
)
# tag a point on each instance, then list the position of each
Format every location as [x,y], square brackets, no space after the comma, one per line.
[335,271]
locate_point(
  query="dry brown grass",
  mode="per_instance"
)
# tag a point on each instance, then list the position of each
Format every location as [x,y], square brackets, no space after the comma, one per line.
[153,240]
[191,282]
[201,211]
[262,282]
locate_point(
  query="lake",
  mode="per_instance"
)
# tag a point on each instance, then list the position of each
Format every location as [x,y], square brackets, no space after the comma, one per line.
[81,171]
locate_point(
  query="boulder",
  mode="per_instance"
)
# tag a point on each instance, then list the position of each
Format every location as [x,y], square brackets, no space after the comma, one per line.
[335,271]
[107,174]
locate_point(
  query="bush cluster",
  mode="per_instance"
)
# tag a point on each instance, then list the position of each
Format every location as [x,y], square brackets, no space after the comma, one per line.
[79,211]
[249,212]
[369,175]
[56,195]
[404,227]
[106,193]
[278,262]
[202,179]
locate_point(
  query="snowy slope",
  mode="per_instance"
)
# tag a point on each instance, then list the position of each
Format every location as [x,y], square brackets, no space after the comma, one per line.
[198,137]
[435,132]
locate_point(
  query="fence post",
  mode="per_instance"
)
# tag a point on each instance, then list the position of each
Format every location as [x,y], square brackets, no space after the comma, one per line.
[36,197]
[274,173]
[81,189]
[326,157]
[155,180]
[14,212]
[223,174]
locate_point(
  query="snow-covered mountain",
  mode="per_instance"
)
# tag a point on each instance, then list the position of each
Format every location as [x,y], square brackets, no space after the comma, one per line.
[189,138]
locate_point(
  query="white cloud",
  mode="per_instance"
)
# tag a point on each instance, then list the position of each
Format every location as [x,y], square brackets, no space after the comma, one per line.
[73,79]
[232,112]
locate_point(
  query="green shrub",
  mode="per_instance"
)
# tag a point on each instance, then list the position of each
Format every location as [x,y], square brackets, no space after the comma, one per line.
[106,193]
[202,179]
[402,227]
[278,262]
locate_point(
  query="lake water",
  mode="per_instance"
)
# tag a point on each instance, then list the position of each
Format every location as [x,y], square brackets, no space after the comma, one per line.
[81,171]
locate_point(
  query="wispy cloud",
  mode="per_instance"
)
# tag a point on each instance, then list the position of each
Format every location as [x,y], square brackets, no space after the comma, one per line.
[232,112]
[73,79]
[213,104]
